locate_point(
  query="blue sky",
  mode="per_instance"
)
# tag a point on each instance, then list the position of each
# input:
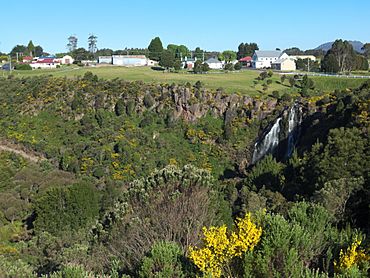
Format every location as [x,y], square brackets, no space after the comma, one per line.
[211,25]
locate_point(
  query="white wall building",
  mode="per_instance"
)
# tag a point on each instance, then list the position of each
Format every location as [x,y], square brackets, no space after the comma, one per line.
[263,59]
[105,60]
[65,60]
[214,63]
[129,60]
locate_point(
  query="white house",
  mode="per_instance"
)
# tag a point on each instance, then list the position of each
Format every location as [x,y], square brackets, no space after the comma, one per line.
[263,59]
[66,60]
[188,63]
[45,63]
[214,63]
[129,60]
[105,60]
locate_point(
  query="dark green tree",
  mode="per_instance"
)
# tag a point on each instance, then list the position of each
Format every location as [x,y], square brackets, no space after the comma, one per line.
[329,64]
[20,49]
[167,59]
[198,53]
[155,49]
[343,53]
[198,66]
[63,209]
[31,48]
[81,54]
[246,49]
[366,49]
[205,67]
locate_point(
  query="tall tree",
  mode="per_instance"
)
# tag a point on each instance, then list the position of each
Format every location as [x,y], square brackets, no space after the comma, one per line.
[366,49]
[72,43]
[180,51]
[20,49]
[155,49]
[329,64]
[167,59]
[92,40]
[227,55]
[198,53]
[246,49]
[39,51]
[343,53]
[81,54]
[31,48]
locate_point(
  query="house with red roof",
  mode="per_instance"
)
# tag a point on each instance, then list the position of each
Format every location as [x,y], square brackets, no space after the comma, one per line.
[27,59]
[45,62]
[246,61]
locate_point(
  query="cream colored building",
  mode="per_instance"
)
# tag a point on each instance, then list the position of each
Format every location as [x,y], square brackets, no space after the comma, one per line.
[284,64]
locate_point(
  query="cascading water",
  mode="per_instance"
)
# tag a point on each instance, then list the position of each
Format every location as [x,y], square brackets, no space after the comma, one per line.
[268,144]
[294,121]
[288,130]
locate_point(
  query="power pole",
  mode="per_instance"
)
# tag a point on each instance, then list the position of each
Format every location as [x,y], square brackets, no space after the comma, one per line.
[10,63]
[308,64]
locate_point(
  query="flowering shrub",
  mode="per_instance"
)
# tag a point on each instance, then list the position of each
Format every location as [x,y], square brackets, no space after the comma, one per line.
[353,256]
[220,247]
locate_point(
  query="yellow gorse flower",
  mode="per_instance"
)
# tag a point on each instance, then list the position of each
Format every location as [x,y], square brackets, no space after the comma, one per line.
[351,257]
[220,246]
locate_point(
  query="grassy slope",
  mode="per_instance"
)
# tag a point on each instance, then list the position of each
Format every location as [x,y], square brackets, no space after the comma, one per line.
[241,82]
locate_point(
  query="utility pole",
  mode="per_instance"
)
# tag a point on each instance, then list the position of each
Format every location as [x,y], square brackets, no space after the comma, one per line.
[10,63]
[308,64]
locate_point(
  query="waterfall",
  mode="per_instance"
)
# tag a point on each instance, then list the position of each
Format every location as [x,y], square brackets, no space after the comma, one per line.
[268,144]
[294,121]
[285,129]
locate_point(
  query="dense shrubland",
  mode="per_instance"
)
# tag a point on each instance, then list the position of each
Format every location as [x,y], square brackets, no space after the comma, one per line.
[155,181]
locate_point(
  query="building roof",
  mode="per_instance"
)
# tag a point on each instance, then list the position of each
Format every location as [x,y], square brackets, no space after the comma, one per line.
[246,59]
[130,56]
[27,58]
[45,61]
[280,61]
[212,60]
[268,53]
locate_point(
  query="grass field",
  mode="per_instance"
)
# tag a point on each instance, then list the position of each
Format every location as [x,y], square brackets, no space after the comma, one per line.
[242,82]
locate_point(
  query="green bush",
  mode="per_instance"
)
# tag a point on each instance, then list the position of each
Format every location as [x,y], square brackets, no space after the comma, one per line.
[23,67]
[238,66]
[63,209]
[164,260]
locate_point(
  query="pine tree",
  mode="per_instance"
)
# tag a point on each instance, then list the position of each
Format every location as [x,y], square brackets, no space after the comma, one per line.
[155,49]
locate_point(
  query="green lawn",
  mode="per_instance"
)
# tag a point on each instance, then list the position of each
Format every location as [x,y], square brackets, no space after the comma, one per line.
[241,82]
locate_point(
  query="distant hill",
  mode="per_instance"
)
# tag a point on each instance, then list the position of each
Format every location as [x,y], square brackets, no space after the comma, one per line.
[357,45]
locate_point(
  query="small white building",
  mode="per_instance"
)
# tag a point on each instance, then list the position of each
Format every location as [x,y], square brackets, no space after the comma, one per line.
[214,63]
[66,60]
[264,59]
[45,63]
[188,63]
[105,60]
[129,60]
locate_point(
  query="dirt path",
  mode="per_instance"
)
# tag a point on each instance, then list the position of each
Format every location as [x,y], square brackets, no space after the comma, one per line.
[17,150]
